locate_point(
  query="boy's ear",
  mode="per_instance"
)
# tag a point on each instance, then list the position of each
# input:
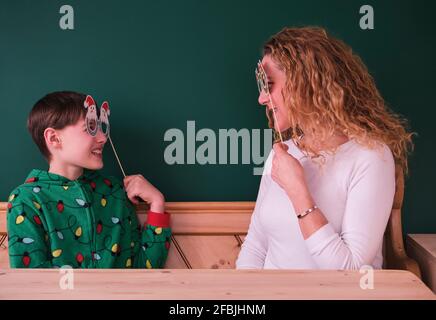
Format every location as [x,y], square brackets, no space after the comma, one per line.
[52,138]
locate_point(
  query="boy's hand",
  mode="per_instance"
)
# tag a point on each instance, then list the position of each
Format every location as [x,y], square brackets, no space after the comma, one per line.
[137,186]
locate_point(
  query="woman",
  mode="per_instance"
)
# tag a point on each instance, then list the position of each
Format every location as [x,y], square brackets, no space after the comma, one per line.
[327,192]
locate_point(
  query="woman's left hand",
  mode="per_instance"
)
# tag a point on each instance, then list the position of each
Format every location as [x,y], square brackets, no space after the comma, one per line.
[287,172]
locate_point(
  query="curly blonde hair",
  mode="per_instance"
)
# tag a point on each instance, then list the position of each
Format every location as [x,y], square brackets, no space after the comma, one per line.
[326,83]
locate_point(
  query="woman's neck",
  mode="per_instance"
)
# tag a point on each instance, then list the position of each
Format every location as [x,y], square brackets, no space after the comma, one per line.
[331,143]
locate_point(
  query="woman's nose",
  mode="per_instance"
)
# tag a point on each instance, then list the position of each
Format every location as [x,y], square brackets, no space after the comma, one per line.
[263,98]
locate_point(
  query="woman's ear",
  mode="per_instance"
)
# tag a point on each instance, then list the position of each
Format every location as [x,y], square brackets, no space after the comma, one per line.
[52,138]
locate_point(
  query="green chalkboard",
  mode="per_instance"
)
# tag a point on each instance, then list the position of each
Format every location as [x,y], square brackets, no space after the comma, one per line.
[161,64]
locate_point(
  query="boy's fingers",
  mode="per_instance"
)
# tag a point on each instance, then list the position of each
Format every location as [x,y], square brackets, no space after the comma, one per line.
[130,192]
[132,198]
[127,180]
[134,201]
[128,189]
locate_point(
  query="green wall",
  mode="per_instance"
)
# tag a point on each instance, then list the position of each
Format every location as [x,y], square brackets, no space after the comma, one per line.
[162,63]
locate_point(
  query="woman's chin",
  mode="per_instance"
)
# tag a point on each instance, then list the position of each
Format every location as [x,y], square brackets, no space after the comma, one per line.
[283,127]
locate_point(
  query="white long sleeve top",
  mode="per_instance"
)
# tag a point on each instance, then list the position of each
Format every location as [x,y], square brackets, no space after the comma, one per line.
[354,189]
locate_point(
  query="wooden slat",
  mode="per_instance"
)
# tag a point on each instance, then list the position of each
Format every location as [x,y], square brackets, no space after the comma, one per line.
[206,233]
[210,252]
[3,208]
[4,256]
[174,260]
[193,217]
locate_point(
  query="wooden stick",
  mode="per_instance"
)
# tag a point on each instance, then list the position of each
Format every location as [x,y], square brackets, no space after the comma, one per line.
[116,156]
[275,118]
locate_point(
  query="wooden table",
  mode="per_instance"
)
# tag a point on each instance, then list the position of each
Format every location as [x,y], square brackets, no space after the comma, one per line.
[203,284]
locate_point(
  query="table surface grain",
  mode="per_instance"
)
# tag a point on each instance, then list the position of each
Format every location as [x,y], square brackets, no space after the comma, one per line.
[206,284]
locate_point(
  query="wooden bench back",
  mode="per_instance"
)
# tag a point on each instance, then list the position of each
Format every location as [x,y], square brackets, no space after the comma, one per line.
[210,234]
[394,253]
[205,234]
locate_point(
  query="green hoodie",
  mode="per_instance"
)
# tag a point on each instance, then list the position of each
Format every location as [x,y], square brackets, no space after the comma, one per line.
[86,223]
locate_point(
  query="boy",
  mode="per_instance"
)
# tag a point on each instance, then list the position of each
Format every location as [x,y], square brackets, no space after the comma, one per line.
[72,216]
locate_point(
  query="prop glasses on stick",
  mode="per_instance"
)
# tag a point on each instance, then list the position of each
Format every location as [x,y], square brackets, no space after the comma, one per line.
[93,122]
[262,85]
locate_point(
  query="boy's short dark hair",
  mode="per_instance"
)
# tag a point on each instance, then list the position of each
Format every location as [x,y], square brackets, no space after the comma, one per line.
[56,110]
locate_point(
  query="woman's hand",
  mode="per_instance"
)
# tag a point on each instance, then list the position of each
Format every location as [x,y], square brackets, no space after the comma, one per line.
[288,173]
[137,186]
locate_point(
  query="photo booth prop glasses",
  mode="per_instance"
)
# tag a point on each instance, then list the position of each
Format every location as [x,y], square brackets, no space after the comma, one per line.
[262,85]
[94,123]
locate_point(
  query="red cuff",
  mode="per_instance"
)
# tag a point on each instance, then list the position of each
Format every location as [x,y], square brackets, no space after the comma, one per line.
[158,219]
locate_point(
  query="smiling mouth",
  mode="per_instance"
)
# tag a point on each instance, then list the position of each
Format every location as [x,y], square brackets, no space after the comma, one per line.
[97,152]
[271,109]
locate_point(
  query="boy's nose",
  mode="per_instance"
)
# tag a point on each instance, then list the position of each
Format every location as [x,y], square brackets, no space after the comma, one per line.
[101,137]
